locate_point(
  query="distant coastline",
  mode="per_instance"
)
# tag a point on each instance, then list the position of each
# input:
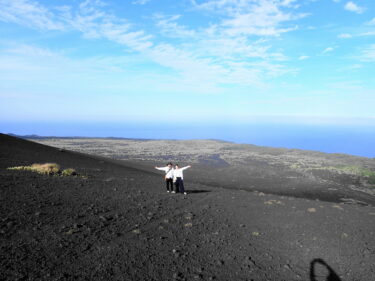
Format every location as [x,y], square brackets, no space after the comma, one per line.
[356,141]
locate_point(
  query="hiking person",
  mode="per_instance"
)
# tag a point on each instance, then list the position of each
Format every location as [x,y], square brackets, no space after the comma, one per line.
[168,169]
[178,178]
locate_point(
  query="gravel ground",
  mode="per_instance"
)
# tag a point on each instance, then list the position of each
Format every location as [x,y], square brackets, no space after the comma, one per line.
[115,221]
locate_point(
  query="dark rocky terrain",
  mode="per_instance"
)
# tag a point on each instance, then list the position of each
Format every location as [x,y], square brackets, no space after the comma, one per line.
[114,221]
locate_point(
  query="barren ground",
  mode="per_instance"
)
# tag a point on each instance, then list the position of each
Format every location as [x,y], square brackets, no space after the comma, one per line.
[264,215]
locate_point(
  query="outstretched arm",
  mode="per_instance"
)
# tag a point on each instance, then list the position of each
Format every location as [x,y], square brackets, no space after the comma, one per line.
[186,167]
[160,168]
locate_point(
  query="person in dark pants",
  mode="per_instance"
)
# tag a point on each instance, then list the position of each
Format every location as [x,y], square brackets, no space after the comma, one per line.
[168,176]
[178,178]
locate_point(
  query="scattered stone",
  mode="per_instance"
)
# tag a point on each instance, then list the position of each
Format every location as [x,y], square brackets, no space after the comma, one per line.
[255,233]
[103,218]
[176,253]
[136,231]
[177,275]
[248,261]
[344,235]
[189,224]
[311,210]
[272,201]
[70,231]
[338,207]
[287,266]
[220,262]
[189,216]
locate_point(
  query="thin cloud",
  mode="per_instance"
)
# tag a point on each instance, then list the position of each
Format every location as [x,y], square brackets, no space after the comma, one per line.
[303,57]
[371,22]
[169,27]
[327,50]
[29,13]
[260,18]
[352,7]
[344,36]
[213,52]
[368,54]
[140,2]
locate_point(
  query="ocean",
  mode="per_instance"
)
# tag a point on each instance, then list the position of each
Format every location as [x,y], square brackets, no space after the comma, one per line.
[349,139]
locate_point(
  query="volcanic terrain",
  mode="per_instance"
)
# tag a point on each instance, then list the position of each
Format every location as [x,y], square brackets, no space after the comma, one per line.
[268,216]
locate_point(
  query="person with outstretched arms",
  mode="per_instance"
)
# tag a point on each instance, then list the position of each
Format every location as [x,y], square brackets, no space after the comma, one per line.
[178,178]
[168,169]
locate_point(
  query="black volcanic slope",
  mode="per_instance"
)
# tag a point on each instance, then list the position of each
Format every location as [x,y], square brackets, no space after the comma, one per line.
[116,222]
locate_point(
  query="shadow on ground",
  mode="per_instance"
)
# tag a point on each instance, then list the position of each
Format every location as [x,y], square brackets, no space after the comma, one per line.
[198,191]
[316,273]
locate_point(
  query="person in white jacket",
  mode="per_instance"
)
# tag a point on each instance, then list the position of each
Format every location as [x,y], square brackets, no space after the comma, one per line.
[178,178]
[168,176]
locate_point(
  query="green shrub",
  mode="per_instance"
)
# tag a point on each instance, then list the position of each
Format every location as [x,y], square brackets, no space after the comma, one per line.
[371,179]
[69,172]
[46,168]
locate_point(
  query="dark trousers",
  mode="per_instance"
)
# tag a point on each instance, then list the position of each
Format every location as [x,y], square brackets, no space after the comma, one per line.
[180,185]
[169,184]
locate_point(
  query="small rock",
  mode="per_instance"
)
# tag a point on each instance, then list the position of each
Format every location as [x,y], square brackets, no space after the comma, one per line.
[287,266]
[136,231]
[337,207]
[177,275]
[220,262]
[70,231]
[255,233]
[311,210]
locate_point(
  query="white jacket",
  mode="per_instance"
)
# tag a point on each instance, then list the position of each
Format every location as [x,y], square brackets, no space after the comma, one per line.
[178,173]
[168,172]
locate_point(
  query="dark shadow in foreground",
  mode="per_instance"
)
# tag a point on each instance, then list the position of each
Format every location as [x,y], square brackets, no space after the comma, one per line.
[332,275]
[198,191]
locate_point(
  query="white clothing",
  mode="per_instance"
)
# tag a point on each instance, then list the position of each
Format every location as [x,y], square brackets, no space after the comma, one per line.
[168,172]
[178,173]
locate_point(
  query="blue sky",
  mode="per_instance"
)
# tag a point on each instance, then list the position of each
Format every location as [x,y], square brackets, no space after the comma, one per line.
[216,60]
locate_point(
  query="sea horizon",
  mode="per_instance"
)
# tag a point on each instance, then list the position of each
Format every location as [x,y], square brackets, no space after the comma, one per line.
[352,139]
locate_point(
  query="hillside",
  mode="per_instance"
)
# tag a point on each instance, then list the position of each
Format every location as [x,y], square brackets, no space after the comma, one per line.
[114,221]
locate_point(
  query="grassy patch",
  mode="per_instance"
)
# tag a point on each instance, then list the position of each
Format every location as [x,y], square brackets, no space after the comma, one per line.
[69,172]
[46,169]
[356,170]
[343,169]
